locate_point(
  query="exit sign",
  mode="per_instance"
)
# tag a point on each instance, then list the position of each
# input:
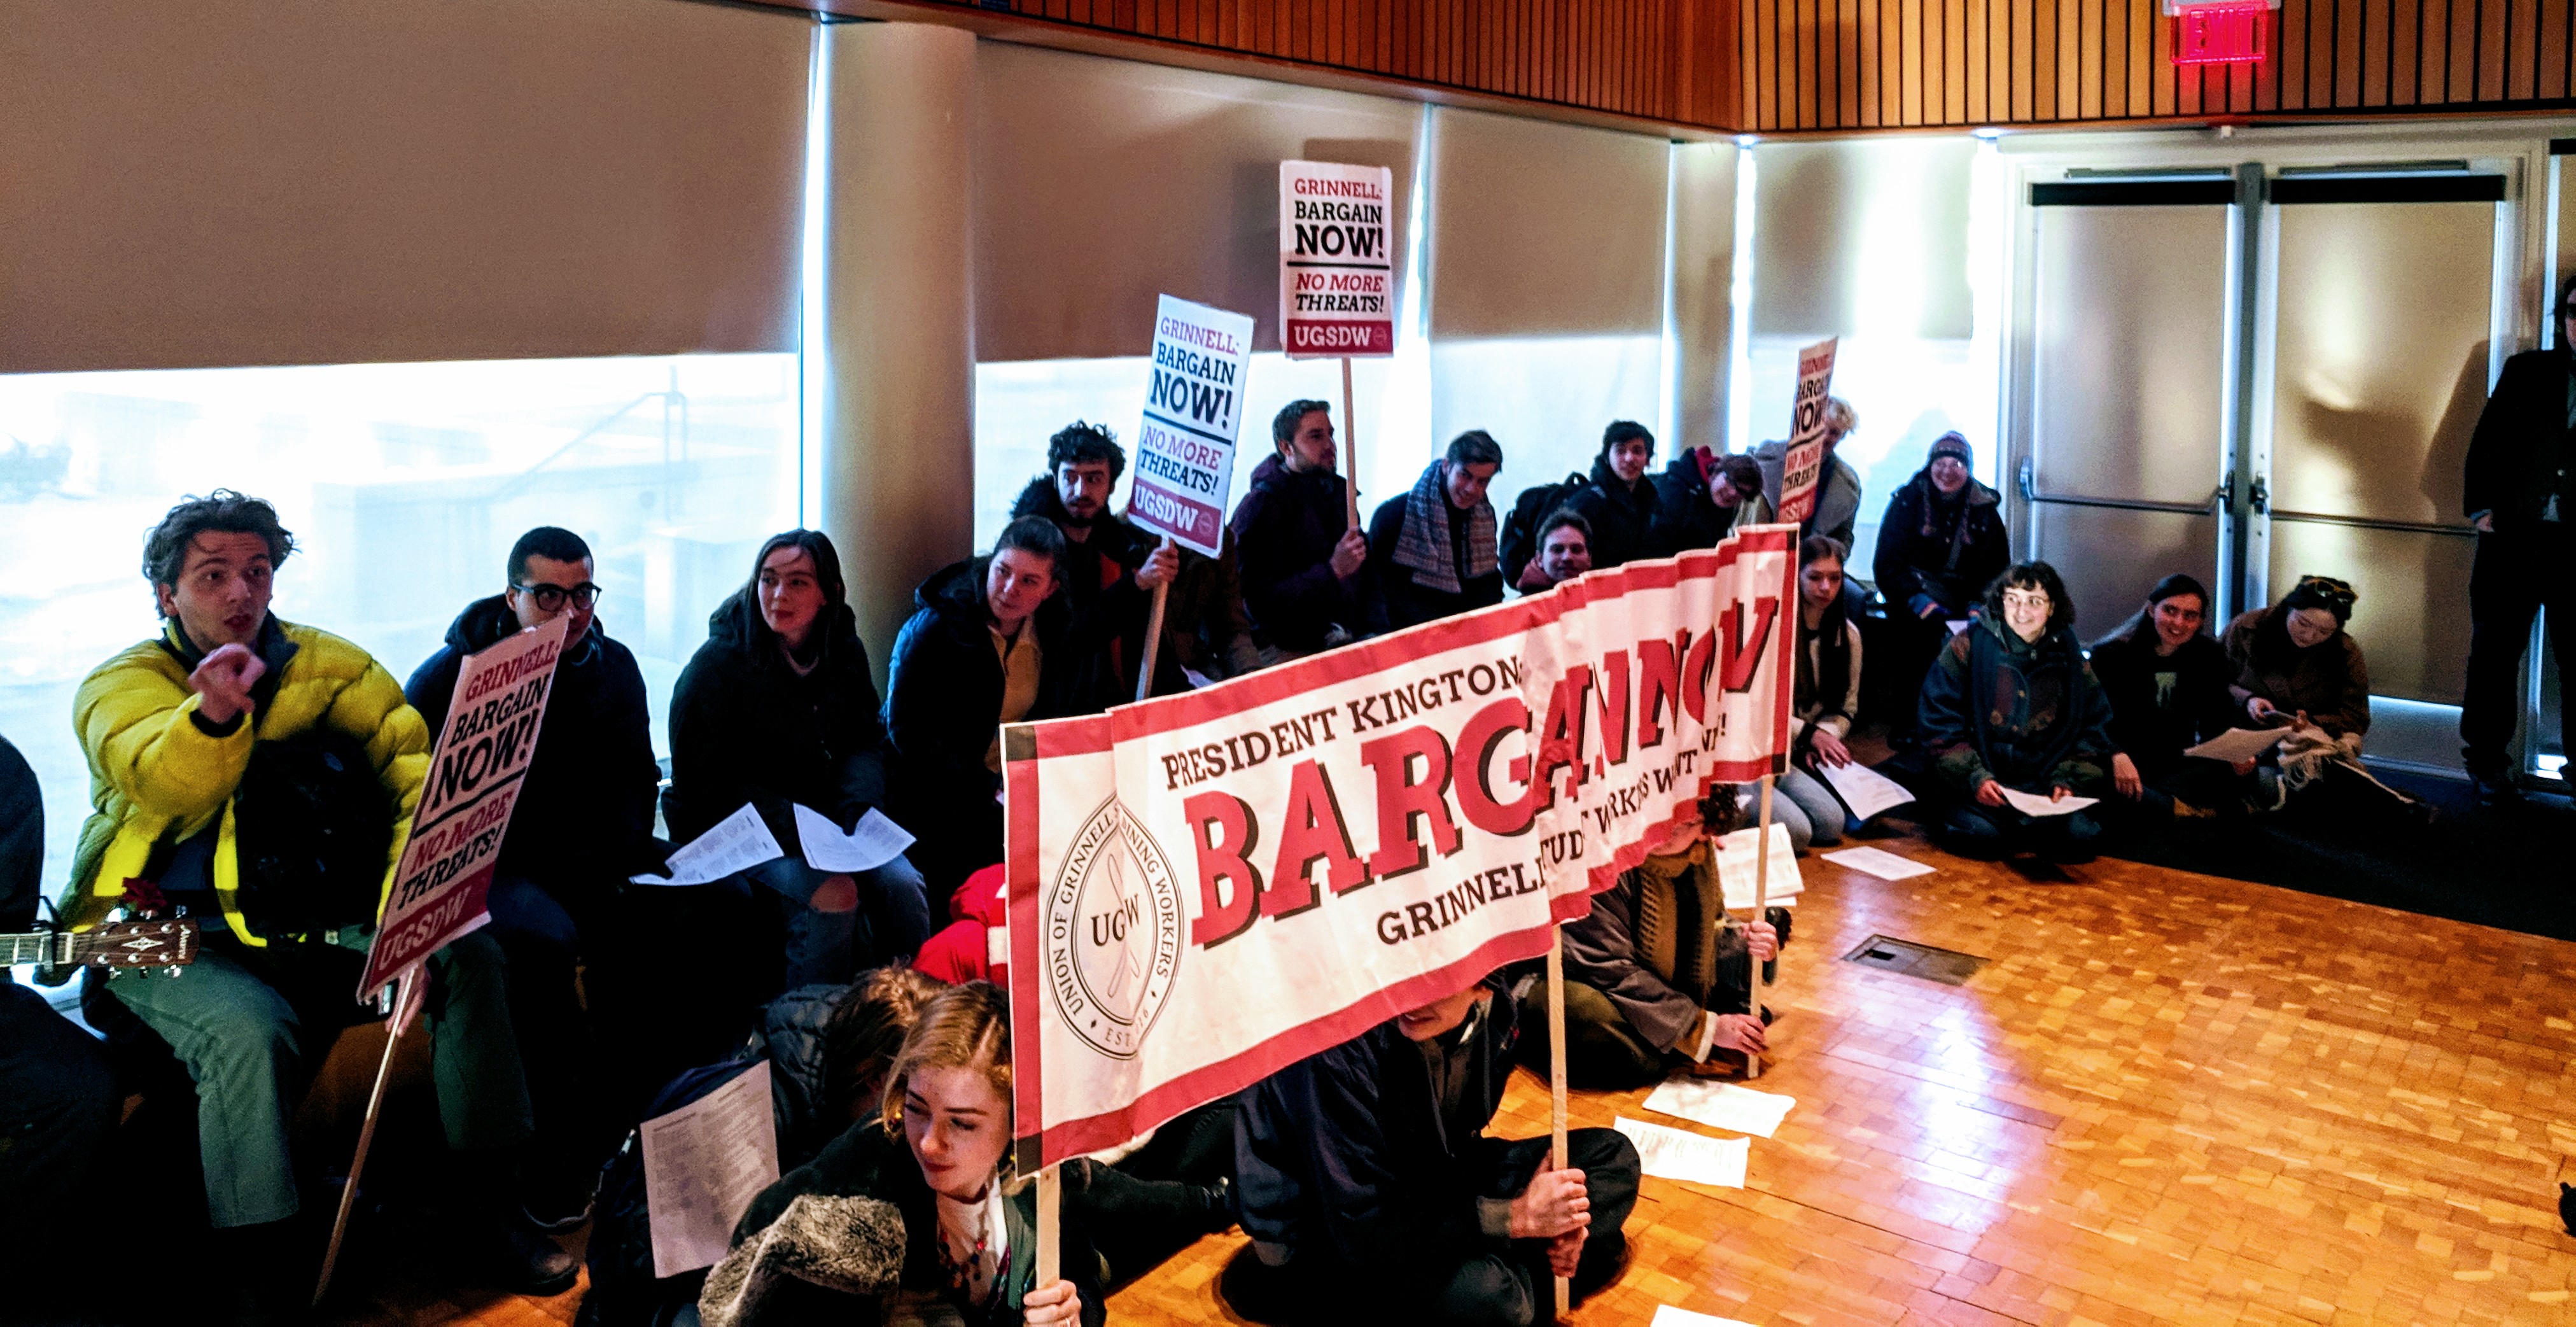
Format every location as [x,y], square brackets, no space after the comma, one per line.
[2225,32]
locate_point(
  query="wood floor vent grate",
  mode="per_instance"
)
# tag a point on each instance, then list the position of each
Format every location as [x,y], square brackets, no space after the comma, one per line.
[1906,958]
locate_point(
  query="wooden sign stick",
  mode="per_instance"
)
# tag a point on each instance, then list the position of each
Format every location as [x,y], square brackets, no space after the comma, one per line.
[406,1006]
[1761,912]
[1153,637]
[1556,1074]
[1350,452]
[1050,1223]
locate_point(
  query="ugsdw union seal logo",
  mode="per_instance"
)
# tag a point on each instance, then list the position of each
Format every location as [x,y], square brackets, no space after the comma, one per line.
[1112,922]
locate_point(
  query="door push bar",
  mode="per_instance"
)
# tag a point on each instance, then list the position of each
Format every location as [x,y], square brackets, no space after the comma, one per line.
[2218,499]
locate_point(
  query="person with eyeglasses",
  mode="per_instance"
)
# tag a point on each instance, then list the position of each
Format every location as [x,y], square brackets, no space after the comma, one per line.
[584,821]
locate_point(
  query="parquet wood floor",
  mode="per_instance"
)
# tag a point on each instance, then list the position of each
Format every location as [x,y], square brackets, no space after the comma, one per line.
[2168,1099]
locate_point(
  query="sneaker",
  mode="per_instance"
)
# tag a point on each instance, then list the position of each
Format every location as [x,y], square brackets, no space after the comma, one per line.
[560,1207]
[505,1255]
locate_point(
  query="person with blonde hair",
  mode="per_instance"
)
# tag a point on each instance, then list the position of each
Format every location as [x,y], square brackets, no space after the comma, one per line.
[1837,484]
[916,1204]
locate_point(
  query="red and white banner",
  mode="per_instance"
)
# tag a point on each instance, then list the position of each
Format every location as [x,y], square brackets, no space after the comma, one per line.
[1193,414]
[1804,465]
[1336,260]
[442,887]
[1206,887]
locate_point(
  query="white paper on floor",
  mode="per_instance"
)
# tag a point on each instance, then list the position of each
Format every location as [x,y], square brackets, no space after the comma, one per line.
[1721,1105]
[1879,862]
[1678,1154]
[1668,1316]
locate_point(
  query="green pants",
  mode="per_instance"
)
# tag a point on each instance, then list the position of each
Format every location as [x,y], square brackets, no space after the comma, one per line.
[252,1026]
[1602,1052]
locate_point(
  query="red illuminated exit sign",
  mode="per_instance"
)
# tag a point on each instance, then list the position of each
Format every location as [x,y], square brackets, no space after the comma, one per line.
[2219,33]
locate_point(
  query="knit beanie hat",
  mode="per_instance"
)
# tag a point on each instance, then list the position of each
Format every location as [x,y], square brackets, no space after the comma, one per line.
[1952,444]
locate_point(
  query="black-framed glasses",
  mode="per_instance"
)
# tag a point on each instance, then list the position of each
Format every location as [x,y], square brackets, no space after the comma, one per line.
[550,598]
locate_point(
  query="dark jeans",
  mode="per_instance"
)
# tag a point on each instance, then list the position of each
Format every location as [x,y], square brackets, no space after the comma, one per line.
[1507,1286]
[1991,833]
[1158,1200]
[545,932]
[58,1109]
[2515,575]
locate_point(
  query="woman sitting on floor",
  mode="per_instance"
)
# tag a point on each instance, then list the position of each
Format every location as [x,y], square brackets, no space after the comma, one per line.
[2167,681]
[2296,666]
[2010,705]
[1826,695]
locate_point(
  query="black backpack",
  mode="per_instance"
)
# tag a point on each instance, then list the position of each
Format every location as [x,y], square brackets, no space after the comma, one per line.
[1520,532]
[311,826]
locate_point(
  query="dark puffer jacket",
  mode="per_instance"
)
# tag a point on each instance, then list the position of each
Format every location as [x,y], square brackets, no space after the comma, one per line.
[1622,516]
[746,728]
[2029,715]
[586,806]
[944,696]
[1284,532]
[1102,600]
[1685,518]
[1933,550]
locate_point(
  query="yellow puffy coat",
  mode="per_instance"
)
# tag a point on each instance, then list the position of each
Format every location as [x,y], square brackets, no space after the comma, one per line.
[155,776]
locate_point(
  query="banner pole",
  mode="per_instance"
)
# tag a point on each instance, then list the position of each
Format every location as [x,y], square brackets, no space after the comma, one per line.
[1050,1223]
[1153,637]
[1556,1075]
[403,1011]
[1350,451]
[1761,912]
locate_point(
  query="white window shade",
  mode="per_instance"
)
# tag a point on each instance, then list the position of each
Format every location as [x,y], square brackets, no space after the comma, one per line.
[1545,230]
[310,181]
[1863,236]
[1100,184]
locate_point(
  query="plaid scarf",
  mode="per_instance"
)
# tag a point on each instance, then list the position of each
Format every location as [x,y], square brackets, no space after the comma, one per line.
[1423,548]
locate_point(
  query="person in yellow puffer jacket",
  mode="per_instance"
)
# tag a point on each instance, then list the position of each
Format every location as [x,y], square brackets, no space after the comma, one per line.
[168,727]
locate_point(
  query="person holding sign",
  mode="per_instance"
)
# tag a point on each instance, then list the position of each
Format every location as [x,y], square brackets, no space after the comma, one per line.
[1111,569]
[185,734]
[1617,498]
[2010,704]
[1368,1183]
[1655,978]
[938,1156]
[1431,552]
[778,710]
[1301,558]
[2167,682]
[1837,501]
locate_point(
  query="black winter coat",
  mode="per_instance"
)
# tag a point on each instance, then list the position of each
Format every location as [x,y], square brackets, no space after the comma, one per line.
[1284,532]
[1102,600]
[1946,553]
[2163,704]
[1396,600]
[1622,515]
[1343,1158]
[2521,440]
[944,695]
[1684,517]
[586,807]
[746,728]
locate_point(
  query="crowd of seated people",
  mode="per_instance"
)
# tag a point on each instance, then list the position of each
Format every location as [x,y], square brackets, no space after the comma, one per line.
[235,740]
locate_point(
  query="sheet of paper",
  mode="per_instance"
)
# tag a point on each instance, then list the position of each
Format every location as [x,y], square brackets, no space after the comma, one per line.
[1864,790]
[1735,868]
[734,844]
[1721,1105]
[1668,1316]
[2239,744]
[1678,1154]
[703,1164]
[874,843]
[1958,624]
[1879,862]
[2030,804]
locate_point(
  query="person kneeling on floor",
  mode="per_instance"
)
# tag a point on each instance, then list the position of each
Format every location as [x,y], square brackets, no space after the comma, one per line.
[1371,1191]
[2010,704]
[1657,977]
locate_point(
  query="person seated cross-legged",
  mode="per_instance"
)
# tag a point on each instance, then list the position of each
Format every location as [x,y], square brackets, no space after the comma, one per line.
[1372,1193]
[2011,705]
[1656,979]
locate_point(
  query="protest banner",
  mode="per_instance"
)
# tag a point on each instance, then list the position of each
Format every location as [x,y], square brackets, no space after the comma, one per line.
[1803,466]
[1337,278]
[1336,260]
[443,881]
[1206,887]
[1193,414]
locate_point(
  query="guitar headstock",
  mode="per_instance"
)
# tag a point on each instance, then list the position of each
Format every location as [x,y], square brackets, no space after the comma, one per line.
[150,942]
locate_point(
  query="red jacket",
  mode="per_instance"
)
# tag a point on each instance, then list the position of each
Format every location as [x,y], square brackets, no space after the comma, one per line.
[972,947]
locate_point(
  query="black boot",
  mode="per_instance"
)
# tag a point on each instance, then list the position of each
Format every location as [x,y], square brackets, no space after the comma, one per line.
[265,1273]
[495,1245]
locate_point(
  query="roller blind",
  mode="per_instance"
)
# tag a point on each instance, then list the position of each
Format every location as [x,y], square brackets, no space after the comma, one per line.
[186,184]
[1102,183]
[1862,235]
[1543,229]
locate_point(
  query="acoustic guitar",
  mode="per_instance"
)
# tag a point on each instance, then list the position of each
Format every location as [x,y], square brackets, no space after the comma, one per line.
[139,946]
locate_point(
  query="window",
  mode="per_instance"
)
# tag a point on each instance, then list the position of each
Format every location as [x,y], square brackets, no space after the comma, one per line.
[404,484]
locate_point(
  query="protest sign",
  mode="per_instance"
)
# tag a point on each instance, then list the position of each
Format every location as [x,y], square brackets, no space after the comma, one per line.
[1193,413]
[475,773]
[1336,260]
[1208,886]
[1804,465]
